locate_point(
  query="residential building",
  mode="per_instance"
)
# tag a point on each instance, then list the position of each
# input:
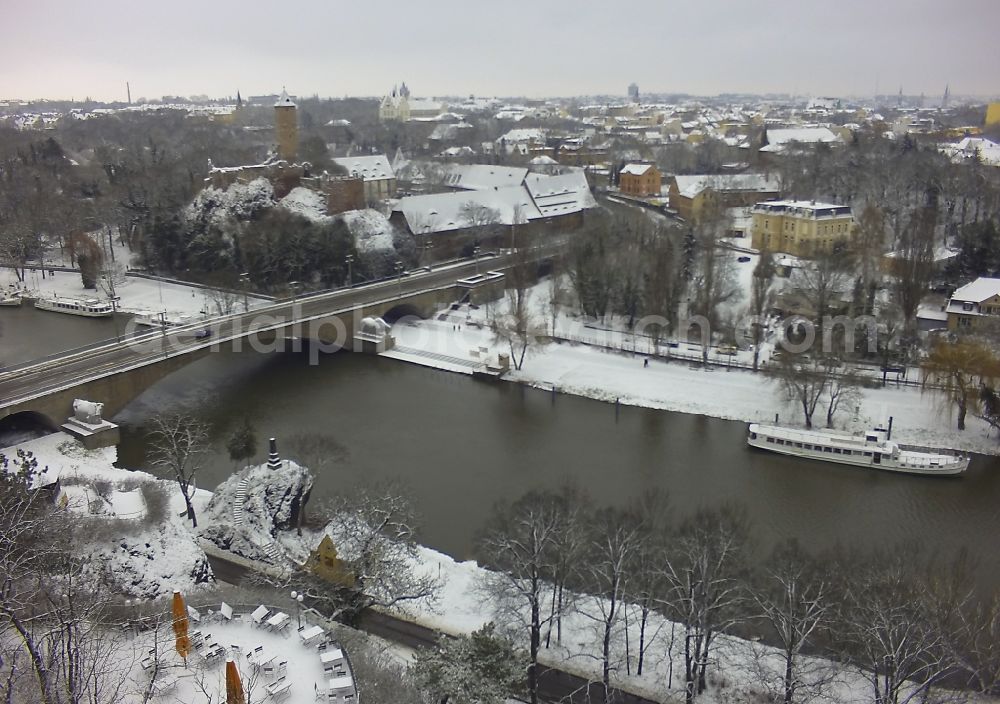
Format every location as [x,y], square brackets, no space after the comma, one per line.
[800,227]
[690,195]
[639,180]
[974,304]
[379,178]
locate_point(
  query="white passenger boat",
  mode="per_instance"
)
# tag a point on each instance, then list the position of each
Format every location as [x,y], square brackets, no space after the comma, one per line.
[871,449]
[87,307]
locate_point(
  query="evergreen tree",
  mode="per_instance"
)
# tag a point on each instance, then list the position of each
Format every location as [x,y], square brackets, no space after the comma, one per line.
[481,668]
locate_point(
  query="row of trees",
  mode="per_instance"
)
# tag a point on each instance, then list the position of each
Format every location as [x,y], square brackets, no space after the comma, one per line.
[900,620]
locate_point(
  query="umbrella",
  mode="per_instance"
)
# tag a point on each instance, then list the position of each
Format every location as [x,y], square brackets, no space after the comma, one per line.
[182,642]
[234,688]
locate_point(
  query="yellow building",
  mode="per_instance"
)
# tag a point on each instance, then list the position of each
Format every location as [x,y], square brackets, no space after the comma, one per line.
[993,114]
[800,227]
[974,304]
[286,127]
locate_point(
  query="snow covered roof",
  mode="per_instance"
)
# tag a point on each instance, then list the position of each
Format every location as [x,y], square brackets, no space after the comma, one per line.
[805,208]
[284,101]
[636,169]
[560,195]
[520,136]
[691,186]
[779,139]
[543,160]
[479,177]
[371,168]
[978,291]
[442,212]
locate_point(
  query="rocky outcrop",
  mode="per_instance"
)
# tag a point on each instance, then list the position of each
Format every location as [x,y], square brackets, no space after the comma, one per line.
[249,509]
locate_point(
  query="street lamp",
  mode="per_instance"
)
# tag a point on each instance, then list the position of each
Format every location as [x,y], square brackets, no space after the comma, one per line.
[475,254]
[349,259]
[114,316]
[399,277]
[245,284]
[298,597]
[163,330]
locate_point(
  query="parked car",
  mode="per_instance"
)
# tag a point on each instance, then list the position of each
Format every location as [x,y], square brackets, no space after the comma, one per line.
[727,349]
[203,334]
[743,260]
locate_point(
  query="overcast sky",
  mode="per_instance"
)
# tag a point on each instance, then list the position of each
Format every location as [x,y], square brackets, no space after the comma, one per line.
[74,49]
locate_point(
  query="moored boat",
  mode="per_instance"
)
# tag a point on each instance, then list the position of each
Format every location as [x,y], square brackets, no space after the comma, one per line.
[8,298]
[872,449]
[87,307]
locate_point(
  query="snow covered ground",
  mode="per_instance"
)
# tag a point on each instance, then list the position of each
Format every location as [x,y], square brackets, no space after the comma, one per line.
[146,558]
[138,295]
[454,340]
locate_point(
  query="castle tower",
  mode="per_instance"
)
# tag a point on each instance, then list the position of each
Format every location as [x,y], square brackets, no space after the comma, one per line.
[286,127]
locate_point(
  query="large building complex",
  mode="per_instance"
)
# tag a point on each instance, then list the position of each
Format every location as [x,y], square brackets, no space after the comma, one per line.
[800,227]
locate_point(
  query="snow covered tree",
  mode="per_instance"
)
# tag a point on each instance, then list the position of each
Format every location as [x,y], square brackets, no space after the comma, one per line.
[519,542]
[793,600]
[480,668]
[614,542]
[705,570]
[801,382]
[373,531]
[887,626]
[178,444]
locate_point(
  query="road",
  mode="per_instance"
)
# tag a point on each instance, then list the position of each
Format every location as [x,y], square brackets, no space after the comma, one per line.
[37,379]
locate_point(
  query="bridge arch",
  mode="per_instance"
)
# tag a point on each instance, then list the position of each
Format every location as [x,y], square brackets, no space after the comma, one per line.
[404,310]
[23,423]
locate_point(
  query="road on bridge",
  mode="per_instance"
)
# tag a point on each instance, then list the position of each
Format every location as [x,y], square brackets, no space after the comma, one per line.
[35,380]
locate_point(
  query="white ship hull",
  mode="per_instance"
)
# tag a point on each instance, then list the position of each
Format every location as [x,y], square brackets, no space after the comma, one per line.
[88,308]
[871,451]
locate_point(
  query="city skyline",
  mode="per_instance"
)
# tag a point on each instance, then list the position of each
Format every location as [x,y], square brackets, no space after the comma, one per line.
[66,51]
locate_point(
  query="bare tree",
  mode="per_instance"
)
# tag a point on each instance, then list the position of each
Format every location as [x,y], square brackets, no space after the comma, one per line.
[914,264]
[959,370]
[705,570]
[178,444]
[801,382]
[615,535]
[374,530]
[517,326]
[519,542]
[843,390]
[761,300]
[884,625]
[794,601]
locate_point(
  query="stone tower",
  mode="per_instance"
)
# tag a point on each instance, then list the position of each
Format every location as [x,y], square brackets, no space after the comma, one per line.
[286,127]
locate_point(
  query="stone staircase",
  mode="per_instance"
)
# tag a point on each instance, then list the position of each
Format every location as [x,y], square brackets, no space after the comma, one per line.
[271,548]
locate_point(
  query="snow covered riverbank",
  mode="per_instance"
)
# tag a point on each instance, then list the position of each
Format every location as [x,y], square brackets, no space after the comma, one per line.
[460,340]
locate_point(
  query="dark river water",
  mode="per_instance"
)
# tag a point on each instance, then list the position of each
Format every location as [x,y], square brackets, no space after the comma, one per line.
[458,445]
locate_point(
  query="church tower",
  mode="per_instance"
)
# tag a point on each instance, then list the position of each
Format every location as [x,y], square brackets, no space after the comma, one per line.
[286,127]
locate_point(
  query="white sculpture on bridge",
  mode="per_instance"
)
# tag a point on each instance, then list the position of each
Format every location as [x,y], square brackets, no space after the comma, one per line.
[88,412]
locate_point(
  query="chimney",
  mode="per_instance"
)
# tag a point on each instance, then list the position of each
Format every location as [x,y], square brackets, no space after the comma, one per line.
[273,461]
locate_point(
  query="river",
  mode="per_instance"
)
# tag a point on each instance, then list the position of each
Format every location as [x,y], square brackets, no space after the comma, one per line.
[459,445]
